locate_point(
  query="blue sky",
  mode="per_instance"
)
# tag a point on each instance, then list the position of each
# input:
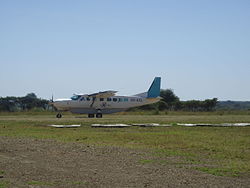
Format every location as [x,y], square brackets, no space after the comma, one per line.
[200,48]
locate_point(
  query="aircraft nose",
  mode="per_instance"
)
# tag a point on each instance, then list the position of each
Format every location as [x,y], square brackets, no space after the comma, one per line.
[59,103]
[51,103]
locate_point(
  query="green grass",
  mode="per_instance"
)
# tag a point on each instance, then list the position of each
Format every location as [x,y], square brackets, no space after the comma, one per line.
[42,183]
[4,184]
[78,183]
[220,171]
[145,161]
[137,112]
[217,150]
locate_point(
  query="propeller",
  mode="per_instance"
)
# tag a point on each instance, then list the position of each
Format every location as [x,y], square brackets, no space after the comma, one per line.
[51,101]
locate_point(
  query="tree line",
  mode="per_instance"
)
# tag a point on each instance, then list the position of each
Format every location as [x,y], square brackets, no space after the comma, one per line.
[28,102]
[169,101]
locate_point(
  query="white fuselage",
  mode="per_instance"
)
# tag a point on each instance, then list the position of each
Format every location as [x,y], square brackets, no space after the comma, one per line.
[85,104]
[106,102]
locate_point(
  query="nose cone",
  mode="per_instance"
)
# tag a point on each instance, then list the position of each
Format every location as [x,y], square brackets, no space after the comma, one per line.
[61,104]
[51,102]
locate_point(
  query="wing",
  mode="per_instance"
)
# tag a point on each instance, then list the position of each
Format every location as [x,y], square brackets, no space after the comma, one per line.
[103,94]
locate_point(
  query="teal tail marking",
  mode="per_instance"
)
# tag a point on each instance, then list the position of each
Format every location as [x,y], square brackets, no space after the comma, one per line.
[154,90]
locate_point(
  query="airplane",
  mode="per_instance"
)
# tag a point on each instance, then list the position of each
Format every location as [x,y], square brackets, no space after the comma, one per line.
[106,102]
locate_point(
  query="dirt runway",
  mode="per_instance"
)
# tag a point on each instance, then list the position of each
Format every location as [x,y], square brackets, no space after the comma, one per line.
[46,163]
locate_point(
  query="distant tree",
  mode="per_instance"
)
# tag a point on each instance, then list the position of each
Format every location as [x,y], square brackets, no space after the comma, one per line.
[178,105]
[31,95]
[210,104]
[193,105]
[162,105]
[169,99]
[27,102]
[168,96]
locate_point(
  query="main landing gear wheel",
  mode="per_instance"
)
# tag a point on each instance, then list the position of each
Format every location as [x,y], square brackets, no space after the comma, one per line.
[98,115]
[91,115]
[59,115]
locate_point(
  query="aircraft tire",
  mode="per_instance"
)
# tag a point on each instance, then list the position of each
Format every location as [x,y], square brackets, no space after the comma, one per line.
[99,115]
[91,115]
[58,115]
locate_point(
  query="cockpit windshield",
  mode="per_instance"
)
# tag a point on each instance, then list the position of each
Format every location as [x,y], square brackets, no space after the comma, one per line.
[75,97]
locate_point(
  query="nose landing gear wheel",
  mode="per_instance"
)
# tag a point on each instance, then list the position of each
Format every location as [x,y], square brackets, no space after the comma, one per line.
[91,115]
[59,115]
[98,115]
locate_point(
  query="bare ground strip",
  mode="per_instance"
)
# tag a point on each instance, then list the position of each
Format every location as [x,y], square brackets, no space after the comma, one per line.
[47,163]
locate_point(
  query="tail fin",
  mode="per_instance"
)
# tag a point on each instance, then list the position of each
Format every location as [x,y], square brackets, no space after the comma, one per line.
[154,90]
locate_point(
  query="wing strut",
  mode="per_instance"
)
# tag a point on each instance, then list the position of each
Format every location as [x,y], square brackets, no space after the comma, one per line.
[94,98]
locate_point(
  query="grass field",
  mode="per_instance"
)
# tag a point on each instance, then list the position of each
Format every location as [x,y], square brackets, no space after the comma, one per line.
[222,151]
